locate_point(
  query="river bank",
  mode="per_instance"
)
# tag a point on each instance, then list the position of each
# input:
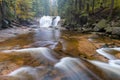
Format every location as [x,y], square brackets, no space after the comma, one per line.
[8,33]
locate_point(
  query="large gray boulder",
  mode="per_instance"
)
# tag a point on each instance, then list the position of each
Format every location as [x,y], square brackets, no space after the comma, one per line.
[116,31]
[101,25]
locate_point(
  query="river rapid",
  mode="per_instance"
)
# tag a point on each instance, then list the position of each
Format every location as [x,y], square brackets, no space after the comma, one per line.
[54,54]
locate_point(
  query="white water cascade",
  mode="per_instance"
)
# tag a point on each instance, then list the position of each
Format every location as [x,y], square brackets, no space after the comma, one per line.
[67,68]
[109,53]
[48,21]
[112,68]
[105,52]
[75,69]
[40,53]
[45,21]
[55,21]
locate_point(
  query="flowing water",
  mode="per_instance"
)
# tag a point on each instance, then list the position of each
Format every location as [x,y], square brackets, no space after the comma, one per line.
[47,21]
[64,64]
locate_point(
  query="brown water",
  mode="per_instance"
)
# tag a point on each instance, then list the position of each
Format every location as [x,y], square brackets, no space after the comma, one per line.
[17,42]
[43,64]
[44,37]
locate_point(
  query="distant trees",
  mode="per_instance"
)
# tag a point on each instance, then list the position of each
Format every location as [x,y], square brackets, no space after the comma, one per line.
[16,8]
[22,10]
[73,9]
[111,8]
[44,7]
[5,13]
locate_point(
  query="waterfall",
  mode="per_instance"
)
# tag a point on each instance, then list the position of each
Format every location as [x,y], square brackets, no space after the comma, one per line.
[56,20]
[48,21]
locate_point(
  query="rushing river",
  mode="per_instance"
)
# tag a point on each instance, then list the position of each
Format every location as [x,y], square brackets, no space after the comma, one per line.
[55,56]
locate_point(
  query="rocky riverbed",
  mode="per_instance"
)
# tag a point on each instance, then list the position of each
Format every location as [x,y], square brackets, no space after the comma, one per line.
[65,43]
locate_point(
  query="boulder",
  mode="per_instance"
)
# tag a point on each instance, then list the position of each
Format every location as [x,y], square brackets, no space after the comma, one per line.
[58,46]
[108,29]
[100,25]
[5,23]
[116,31]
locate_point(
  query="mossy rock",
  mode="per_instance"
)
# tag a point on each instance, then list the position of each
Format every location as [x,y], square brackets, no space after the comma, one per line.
[100,25]
[108,29]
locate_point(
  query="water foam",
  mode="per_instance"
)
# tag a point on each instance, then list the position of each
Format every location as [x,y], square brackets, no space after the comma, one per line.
[47,21]
[73,69]
[38,53]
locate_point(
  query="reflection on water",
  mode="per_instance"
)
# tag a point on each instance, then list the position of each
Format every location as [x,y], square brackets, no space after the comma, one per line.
[47,34]
[43,37]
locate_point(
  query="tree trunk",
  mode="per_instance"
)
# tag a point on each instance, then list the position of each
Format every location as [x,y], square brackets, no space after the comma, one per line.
[2,9]
[80,4]
[88,7]
[93,6]
[76,2]
[111,8]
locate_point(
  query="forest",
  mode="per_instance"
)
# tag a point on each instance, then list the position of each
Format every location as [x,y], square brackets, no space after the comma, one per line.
[59,39]
[75,13]
[69,9]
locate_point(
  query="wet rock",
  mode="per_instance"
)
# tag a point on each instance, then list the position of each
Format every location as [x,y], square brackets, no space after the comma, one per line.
[108,45]
[33,26]
[49,44]
[8,78]
[86,29]
[115,36]
[118,55]
[5,23]
[5,69]
[105,46]
[58,46]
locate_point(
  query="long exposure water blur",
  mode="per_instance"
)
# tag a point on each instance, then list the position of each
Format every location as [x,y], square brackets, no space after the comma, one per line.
[54,55]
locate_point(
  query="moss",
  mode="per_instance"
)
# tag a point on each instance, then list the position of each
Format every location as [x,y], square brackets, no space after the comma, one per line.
[102,24]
